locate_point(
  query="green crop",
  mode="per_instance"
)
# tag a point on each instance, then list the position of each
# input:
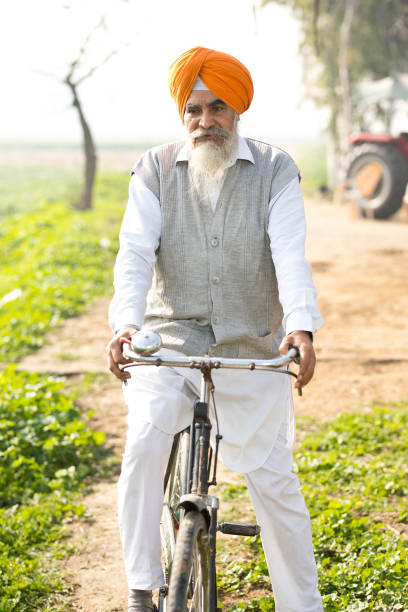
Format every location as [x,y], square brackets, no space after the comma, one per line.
[53,262]
[46,451]
[42,441]
[353,472]
[23,187]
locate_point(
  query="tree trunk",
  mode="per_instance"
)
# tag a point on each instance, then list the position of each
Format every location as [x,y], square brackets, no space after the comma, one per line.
[85,202]
[346,116]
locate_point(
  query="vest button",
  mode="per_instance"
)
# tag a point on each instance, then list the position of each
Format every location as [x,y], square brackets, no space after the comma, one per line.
[215,320]
[214,241]
[215,280]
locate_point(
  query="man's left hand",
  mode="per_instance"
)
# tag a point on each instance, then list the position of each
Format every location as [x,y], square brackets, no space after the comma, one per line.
[307,357]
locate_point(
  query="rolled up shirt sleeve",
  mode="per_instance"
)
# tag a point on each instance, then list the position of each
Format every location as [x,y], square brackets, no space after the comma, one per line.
[287,234]
[139,240]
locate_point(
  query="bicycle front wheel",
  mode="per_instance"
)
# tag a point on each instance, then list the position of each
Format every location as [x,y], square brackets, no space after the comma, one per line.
[189,583]
[177,485]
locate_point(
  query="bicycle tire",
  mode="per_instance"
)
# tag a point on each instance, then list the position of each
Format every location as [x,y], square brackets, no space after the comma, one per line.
[190,585]
[171,514]
[178,481]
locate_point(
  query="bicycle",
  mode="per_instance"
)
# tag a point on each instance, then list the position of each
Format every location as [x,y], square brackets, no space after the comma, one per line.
[189,517]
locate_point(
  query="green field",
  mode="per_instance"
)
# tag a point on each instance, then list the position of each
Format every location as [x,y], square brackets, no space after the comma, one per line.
[47,452]
[353,473]
[53,262]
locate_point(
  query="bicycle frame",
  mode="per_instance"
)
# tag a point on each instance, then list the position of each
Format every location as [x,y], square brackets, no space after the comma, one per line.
[199,470]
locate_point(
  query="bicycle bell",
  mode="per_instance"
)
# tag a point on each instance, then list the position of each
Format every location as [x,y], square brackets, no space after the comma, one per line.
[145,342]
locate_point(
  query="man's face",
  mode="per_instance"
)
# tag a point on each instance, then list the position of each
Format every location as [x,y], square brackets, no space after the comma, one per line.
[204,111]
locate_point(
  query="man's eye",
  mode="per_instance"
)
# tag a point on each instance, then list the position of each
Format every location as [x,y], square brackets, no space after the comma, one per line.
[192,111]
[218,108]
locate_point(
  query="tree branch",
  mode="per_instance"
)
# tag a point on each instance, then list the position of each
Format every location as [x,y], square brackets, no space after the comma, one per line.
[92,70]
[101,24]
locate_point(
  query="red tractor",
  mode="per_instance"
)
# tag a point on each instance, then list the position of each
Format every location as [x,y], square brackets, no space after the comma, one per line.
[377,172]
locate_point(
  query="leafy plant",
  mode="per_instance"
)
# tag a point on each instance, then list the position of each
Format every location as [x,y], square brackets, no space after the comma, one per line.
[354,475]
[46,451]
[43,444]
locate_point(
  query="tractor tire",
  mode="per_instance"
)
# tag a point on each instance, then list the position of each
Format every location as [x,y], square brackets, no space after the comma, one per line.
[379,172]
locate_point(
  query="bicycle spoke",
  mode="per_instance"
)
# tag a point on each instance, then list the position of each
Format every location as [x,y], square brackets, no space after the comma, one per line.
[196,577]
[190,580]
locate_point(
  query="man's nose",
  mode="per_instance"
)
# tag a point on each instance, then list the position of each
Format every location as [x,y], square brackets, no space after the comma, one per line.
[206,120]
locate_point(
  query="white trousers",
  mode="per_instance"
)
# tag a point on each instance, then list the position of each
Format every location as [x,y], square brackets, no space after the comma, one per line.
[278,503]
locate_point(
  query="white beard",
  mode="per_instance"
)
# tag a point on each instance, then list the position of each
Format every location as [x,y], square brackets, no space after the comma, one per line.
[208,160]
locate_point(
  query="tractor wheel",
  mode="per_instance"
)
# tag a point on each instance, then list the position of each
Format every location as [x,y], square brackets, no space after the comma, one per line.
[379,172]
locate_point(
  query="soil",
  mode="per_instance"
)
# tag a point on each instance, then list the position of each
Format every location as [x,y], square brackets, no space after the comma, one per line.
[360,271]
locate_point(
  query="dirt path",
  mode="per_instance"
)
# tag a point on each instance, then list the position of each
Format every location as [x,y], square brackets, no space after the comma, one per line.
[360,270]
[361,274]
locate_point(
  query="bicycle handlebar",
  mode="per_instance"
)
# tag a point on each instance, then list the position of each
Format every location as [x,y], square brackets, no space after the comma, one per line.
[196,362]
[147,344]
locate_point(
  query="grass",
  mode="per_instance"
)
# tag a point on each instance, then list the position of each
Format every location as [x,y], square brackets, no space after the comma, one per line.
[353,473]
[66,356]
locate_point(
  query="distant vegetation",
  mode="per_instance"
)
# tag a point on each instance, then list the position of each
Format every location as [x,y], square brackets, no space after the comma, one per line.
[342,43]
[53,262]
[311,160]
[23,189]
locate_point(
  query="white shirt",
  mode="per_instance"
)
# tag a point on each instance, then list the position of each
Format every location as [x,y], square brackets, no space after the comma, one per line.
[140,237]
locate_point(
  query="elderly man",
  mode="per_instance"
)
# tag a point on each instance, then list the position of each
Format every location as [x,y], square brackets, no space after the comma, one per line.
[212,257]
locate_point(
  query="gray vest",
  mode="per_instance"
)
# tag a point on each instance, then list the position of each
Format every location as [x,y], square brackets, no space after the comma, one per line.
[214,287]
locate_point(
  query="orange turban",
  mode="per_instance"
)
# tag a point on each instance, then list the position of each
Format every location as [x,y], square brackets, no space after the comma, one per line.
[223,74]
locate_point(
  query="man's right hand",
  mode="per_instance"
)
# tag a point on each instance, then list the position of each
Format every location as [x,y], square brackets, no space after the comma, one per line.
[115,354]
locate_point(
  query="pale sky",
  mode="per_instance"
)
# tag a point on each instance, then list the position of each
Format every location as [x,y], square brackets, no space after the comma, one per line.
[128,100]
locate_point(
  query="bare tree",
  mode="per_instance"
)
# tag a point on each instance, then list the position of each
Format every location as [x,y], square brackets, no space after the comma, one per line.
[73,81]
